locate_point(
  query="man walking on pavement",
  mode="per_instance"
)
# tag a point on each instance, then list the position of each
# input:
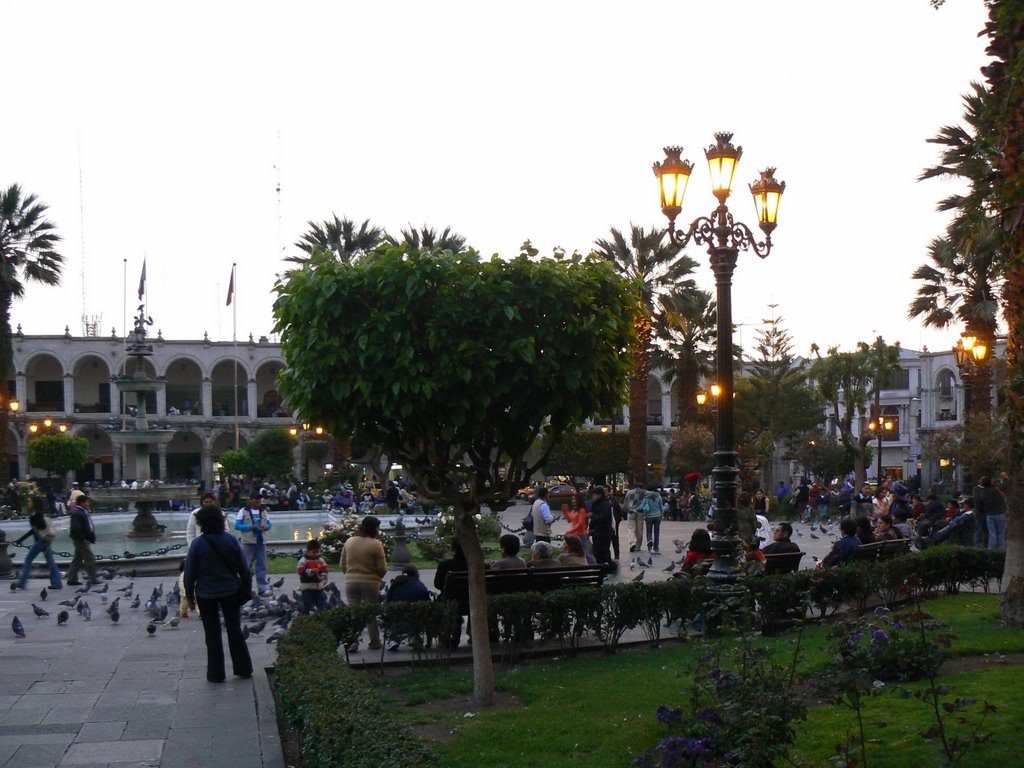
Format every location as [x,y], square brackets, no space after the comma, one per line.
[542,517]
[252,521]
[634,517]
[83,536]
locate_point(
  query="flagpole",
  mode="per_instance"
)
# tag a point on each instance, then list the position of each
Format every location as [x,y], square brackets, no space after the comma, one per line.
[234,340]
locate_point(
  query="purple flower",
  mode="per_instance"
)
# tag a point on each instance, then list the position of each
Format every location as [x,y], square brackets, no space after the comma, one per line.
[897,625]
[880,609]
[709,716]
[855,638]
[668,716]
[879,637]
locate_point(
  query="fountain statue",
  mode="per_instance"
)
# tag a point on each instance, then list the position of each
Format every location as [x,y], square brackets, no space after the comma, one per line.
[141,437]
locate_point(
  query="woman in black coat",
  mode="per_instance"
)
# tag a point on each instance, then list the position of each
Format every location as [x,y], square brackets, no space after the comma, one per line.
[214,570]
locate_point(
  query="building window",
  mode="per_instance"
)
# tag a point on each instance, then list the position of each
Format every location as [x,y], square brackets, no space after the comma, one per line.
[891,414]
[946,383]
[898,379]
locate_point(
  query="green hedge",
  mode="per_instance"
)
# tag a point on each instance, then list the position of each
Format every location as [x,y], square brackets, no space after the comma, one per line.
[340,723]
[605,614]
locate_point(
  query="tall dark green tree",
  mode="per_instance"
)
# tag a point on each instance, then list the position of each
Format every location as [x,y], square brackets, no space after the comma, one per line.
[495,356]
[685,329]
[427,238]
[28,254]
[774,402]
[851,383]
[651,265]
[342,238]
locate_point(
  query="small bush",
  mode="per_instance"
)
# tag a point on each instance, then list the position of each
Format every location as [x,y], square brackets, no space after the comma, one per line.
[339,722]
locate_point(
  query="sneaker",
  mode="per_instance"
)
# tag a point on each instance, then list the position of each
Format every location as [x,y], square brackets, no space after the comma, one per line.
[657,551]
[54,589]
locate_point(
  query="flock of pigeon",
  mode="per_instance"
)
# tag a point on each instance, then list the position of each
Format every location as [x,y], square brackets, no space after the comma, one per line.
[162,610]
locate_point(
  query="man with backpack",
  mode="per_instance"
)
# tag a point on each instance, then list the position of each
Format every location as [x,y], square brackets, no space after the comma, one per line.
[540,517]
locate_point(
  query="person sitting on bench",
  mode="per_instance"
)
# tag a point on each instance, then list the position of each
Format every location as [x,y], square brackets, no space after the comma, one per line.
[542,556]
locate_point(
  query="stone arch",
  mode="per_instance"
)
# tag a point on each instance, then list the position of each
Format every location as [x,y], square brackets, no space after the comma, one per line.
[223,441]
[100,465]
[222,385]
[44,382]
[91,374]
[184,376]
[185,456]
[14,447]
[268,399]
[655,414]
[946,382]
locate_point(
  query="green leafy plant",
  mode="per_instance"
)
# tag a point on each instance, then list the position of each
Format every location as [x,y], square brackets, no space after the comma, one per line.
[58,454]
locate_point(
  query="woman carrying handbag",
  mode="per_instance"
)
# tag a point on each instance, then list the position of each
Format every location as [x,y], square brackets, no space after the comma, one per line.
[217,579]
[44,533]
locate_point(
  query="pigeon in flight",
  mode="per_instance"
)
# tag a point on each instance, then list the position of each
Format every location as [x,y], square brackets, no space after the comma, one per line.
[16,625]
[39,612]
[62,618]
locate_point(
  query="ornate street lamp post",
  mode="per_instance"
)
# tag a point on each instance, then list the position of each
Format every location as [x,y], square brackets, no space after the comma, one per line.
[971,353]
[724,238]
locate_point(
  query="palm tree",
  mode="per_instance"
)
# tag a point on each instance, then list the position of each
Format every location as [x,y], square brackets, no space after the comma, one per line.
[651,264]
[685,327]
[427,238]
[960,285]
[340,237]
[27,254]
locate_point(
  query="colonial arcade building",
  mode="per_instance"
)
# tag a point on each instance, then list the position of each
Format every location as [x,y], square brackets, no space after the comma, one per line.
[69,381]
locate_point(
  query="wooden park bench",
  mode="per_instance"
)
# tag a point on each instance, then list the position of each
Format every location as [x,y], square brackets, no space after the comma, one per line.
[783,562]
[503,582]
[881,550]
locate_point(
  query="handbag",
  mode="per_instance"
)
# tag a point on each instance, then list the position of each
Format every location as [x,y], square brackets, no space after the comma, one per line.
[243,593]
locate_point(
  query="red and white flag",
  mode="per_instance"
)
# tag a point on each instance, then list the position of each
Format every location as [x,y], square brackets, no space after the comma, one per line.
[231,286]
[142,280]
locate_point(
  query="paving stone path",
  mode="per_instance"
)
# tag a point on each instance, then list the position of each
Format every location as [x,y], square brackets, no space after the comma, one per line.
[93,693]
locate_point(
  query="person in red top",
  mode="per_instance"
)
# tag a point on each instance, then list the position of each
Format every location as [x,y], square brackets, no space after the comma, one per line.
[698,552]
[313,578]
[577,517]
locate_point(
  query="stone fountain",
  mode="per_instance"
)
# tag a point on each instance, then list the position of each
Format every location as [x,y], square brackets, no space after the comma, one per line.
[144,491]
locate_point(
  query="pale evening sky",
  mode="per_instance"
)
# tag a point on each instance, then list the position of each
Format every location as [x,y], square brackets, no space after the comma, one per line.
[534,120]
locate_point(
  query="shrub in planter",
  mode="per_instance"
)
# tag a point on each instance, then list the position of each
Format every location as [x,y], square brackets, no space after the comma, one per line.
[421,624]
[854,582]
[511,616]
[339,723]
[622,609]
[433,549]
[347,622]
[781,599]
[488,527]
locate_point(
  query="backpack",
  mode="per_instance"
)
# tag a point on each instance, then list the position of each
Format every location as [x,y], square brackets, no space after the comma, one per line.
[528,521]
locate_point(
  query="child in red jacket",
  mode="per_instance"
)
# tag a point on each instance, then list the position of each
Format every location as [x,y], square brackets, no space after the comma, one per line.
[313,578]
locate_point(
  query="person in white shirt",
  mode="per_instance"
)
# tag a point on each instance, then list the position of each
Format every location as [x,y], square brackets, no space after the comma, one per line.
[192,529]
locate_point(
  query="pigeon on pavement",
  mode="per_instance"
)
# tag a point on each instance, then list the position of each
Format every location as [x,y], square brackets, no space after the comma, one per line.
[43,594]
[256,629]
[172,623]
[87,612]
[151,629]
[112,608]
[278,584]
[16,625]
[639,576]
[115,616]
[136,602]
[39,612]
[278,634]
[62,618]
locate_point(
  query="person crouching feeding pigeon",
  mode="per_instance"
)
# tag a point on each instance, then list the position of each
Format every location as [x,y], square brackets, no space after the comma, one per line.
[313,578]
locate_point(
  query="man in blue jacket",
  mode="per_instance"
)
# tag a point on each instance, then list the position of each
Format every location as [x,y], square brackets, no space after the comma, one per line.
[252,521]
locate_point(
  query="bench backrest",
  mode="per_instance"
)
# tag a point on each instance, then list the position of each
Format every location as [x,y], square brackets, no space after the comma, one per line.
[504,582]
[782,562]
[881,550]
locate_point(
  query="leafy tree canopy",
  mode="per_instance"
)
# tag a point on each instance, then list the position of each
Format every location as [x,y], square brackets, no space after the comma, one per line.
[235,463]
[445,358]
[271,454]
[58,454]
[589,453]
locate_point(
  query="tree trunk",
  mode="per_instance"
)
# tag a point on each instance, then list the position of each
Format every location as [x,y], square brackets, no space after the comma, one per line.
[860,472]
[6,374]
[483,668]
[687,386]
[638,428]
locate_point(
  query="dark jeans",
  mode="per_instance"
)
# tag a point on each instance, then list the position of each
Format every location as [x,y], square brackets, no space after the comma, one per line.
[34,550]
[84,558]
[602,547]
[313,599]
[615,540]
[210,609]
[653,532]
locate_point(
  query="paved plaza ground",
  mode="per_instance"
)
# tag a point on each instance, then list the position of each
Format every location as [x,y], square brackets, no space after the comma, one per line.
[93,693]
